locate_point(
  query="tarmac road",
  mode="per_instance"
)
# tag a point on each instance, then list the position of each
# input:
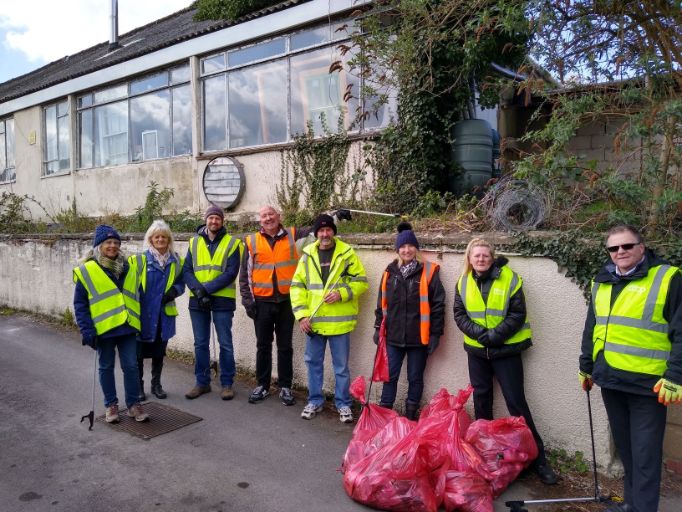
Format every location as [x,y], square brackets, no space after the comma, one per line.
[241,457]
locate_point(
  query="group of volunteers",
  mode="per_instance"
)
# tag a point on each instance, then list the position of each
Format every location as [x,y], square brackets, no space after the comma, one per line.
[631,347]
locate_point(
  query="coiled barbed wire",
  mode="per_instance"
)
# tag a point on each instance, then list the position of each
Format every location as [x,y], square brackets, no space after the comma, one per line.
[516,205]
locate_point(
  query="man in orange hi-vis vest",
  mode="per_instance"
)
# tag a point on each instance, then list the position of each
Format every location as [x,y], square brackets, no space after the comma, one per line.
[267,267]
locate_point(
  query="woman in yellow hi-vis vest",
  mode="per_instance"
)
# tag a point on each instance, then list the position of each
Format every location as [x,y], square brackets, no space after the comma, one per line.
[490,309]
[108,316]
[160,271]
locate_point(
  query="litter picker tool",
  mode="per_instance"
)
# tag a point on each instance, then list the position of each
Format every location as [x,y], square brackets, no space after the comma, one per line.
[395,215]
[519,506]
[91,415]
[331,289]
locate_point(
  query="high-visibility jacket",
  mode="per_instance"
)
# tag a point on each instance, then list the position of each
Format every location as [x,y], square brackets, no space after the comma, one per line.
[138,265]
[109,306]
[424,306]
[207,268]
[491,313]
[633,332]
[346,276]
[280,260]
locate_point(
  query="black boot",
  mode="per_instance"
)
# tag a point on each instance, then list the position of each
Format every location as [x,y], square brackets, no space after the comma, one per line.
[157,390]
[140,368]
[411,411]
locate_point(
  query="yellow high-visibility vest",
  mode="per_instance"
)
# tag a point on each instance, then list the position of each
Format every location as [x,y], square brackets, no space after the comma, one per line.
[207,268]
[492,313]
[138,264]
[109,306]
[633,332]
[346,275]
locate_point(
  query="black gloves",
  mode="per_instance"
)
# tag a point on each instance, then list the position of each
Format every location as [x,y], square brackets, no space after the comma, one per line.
[494,338]
[484,339]
[169,296]
[343,214]
[434,341]
[251,310]
[90,341]
[376,336]
[203,298]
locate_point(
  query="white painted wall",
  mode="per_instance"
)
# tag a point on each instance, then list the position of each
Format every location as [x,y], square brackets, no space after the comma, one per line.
[39,280]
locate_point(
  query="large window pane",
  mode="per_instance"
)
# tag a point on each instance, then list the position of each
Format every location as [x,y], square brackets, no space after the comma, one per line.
[322,34]
[111,134]
[215,113]
[113,93]
[213,64]
[150,126]
[258,105]
[51,142]
[317,96]
[64,137]
[182,120]
[7,171]
[87,147]
[256,52]
[180,75]
[149,83]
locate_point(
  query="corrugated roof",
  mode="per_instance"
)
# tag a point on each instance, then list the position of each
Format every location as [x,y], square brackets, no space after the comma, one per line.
[162,33]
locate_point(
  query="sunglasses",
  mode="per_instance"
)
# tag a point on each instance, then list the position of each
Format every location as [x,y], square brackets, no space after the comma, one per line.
[625,247]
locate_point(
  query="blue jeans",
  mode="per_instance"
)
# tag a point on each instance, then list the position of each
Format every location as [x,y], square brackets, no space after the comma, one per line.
[339,346]
[201,326]
[127,354]
[416,363]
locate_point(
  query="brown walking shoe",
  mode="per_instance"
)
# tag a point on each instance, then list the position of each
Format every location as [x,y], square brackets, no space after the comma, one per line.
[197,391]
[227,393]
[135,411]
[111,415]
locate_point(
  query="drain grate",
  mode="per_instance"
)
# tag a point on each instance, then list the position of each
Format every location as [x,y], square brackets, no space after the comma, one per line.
[162,419]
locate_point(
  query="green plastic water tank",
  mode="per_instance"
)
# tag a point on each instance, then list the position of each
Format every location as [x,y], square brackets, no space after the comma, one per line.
[472,149]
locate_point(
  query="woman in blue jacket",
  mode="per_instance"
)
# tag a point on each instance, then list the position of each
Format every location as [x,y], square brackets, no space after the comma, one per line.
[107,314]
[159,268]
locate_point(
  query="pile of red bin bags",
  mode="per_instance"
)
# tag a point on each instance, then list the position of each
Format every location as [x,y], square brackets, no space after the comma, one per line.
[444,459]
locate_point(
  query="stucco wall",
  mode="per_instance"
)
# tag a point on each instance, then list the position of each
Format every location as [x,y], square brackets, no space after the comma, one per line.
[39,280]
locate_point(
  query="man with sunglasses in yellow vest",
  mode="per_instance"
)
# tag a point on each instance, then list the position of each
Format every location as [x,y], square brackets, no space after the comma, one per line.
[632,349]
[210,271]
[268,265]
[324,292]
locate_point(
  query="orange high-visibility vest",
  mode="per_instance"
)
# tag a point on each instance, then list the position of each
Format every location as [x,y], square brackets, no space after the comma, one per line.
[424,307]
[280,260]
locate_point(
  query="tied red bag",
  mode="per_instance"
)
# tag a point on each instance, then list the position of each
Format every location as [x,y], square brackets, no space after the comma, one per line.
[369,434]
[380,371]
[507,447]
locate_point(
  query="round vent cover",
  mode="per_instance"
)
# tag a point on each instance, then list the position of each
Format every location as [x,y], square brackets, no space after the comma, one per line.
[224,182]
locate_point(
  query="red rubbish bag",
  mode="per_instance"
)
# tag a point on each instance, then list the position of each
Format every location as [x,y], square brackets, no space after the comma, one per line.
[380,370]
[466,491]
[507,447]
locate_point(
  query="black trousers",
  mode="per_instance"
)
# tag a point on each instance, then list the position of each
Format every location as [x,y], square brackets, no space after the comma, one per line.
[638,423]
[416,364]
[274,319]
[509,373]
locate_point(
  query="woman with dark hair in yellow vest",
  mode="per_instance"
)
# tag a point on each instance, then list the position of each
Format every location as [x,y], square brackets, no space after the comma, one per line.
[107,312]
[490,309]
[412,302]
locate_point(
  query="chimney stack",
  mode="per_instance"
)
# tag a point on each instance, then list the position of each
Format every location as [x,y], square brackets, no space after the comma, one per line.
[113,39]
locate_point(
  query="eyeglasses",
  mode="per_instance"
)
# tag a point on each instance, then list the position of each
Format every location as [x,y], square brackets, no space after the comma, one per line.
[625,247]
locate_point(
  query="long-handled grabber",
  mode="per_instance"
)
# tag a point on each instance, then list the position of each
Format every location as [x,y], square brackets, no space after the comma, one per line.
[396,215]
[518,506]
[331,289]
[91,415]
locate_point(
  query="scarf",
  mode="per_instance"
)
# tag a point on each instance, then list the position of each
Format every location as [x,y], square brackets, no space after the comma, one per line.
[161,259]
[408,268]
[115,266]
